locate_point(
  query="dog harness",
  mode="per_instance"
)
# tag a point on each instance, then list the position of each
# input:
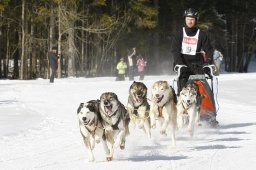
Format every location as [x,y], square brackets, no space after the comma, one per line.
[189,43]
[92,132]
[160,108]
[185,112]
[109,120]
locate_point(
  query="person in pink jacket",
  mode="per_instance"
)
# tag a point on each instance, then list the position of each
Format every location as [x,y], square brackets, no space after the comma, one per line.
[140,66]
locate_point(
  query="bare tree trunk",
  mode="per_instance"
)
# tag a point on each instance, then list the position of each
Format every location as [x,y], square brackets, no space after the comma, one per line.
[16,57]
[33,59]
[51,38]
[1,46]
[6,67]
[86,62]
[59,41]
[82,45]
[156,40]
[82,52]
[71,49]
[22,62]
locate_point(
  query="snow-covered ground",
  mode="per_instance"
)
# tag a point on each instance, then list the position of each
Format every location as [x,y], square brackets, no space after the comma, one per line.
[39,128]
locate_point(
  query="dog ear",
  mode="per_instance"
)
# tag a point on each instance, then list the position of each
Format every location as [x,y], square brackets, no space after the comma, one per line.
[143,85]
[183,88]
[115,96]
[80,107]
[91,106]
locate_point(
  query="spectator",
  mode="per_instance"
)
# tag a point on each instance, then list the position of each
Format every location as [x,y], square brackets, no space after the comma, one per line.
[140,66]
[121,68]
[217,59]
[53,60]
[131,63]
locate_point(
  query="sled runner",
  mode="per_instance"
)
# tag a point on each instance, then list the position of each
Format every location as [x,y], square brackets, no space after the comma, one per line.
[204,81]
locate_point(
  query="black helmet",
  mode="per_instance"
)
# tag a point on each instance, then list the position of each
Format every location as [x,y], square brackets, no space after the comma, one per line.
[190,12]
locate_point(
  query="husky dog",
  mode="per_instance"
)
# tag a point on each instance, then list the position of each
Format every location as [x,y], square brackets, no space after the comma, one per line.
[138,107]
[188,107]
[90,126]
[115,120]
[163,108]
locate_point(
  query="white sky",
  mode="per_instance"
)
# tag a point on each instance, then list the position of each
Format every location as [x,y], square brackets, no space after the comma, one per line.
[39,128]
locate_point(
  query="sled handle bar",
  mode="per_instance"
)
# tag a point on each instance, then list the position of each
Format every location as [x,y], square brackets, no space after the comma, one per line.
[177,68]
[212,68]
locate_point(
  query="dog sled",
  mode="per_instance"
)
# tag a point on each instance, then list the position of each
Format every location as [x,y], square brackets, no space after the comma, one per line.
[204,82]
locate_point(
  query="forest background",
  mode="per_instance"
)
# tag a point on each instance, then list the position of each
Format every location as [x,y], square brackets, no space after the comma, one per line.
[92,35]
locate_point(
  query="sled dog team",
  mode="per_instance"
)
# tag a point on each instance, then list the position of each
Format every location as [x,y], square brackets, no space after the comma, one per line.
[107,120]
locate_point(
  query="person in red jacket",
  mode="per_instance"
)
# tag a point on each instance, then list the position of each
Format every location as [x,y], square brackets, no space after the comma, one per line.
[140,66]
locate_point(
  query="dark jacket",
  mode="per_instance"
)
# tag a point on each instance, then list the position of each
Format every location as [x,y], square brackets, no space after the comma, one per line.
[202,45]
[53,59]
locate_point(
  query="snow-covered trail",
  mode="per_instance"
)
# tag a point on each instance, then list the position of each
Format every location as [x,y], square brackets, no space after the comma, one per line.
[39,128]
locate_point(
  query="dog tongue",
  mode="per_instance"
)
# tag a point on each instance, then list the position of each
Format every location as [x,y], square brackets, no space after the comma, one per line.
[139,98]
[108,109]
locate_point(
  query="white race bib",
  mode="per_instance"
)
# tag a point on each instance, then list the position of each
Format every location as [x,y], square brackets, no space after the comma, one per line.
[189,43]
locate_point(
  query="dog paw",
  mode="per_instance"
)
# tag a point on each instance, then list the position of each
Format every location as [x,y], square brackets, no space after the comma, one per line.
[153,126]
[109,158]
[122,146]
[149,135]
[191,133]
[109,128]
[97,139]
[91,159]
[163,132]
[140,126]
[117,144]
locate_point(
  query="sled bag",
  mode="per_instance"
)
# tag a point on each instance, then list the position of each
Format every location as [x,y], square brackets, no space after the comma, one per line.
[207,103]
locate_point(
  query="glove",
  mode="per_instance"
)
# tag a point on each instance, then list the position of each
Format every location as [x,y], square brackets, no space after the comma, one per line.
[207,70]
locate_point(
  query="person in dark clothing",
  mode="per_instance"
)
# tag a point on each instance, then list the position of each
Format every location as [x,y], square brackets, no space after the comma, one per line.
[191,47]
[131,63]
[187,47]
[53,60]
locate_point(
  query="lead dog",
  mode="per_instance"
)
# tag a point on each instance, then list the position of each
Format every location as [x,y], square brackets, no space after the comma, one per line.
[91,128]
[115,120]
[188,107]
[163,108]
[138,107]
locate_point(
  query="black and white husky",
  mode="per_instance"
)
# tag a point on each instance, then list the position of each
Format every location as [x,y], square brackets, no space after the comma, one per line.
[90,125]
[115,120]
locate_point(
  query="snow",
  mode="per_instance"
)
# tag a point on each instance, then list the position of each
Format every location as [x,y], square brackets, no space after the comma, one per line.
[39,128]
